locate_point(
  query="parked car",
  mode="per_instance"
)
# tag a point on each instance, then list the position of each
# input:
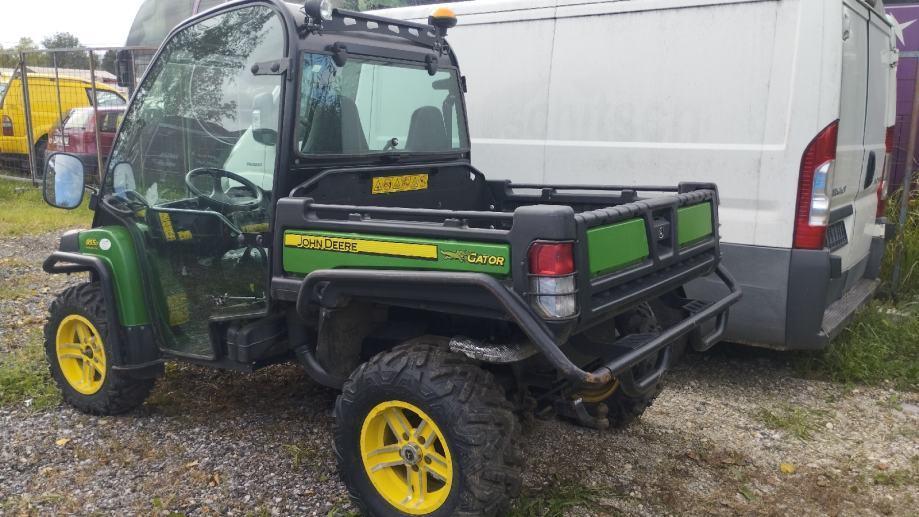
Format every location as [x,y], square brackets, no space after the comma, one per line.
[50,98]
[787,105]
[77,135]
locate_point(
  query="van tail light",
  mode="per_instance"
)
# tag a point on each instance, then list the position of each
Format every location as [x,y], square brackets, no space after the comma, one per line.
[7,126]
[885,174]
[552,279]
[813,206]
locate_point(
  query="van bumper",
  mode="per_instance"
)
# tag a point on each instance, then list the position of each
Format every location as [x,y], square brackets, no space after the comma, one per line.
[822,299]
[793,299]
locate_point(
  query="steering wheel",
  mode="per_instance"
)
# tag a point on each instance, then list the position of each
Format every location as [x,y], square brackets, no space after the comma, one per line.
[217,195]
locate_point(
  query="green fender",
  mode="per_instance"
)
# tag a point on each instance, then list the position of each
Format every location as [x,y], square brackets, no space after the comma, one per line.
[114,246]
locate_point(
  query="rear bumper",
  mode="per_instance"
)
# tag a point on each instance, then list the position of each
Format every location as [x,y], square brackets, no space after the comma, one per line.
[333,287]
[793,299]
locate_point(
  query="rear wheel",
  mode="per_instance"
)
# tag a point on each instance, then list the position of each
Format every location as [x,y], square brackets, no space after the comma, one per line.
[80,345]
[422,431]
[621,409]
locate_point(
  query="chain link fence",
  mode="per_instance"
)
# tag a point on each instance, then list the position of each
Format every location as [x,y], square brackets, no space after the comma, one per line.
[64,100]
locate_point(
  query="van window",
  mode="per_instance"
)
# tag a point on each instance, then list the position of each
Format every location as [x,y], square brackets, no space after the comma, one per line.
[110,121]
[78,119]
[106,98]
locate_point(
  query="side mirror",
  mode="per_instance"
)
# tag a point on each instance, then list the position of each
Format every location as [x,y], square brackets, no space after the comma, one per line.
[63,184]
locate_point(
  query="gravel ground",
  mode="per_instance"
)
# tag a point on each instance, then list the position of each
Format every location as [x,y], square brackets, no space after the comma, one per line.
[211,442]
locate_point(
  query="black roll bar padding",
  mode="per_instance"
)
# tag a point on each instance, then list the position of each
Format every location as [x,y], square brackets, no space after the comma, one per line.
[313,288]
[67,262]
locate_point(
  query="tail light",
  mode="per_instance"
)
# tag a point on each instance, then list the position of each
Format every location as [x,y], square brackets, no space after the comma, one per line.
[813,207]
[885,174]
[552,282]
[7,126]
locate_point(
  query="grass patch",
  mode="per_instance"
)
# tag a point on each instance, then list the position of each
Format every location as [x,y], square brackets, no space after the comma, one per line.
[881,345]
[798,421]
[907,243]
[26,213]
[24,377]
[554,500]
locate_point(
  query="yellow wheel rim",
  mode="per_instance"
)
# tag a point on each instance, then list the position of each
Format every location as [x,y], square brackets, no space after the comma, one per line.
[80,354]
[597,394]
[406,457]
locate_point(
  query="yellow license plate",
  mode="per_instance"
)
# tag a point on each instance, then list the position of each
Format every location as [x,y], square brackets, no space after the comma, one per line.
[408,182]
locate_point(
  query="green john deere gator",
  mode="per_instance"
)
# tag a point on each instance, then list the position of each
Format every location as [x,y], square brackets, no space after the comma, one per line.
[293,183]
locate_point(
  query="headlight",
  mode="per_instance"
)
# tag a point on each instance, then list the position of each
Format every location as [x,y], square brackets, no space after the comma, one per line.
[318,9]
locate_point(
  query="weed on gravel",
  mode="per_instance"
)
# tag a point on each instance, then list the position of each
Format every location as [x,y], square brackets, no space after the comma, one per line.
[25,212]
[24,377]
[554,500]
[795,420]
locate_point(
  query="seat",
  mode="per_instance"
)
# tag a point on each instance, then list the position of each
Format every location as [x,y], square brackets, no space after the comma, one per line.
[427,131]
[336,129]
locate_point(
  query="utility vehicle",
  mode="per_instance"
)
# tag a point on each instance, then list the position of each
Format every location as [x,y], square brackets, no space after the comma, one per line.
[371,251]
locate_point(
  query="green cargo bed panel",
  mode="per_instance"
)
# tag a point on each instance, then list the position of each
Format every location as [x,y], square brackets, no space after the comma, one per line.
[616,246]
[694,223]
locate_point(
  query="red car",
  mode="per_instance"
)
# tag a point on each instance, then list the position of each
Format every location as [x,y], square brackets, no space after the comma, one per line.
[79,138]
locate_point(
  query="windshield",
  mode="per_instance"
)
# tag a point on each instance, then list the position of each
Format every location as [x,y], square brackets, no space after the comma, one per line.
[367,107]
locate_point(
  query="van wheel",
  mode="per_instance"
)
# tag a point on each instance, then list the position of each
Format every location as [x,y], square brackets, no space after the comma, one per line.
[422,431]
[80,345]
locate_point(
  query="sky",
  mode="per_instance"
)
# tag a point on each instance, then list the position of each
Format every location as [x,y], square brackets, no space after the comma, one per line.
[98,23]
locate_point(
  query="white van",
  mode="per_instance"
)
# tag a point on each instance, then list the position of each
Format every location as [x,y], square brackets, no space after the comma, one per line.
[786,104]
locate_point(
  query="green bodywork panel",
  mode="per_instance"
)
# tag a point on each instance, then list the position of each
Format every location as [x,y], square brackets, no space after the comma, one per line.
[694,223]
[308,251]
[113,245]
[616,246]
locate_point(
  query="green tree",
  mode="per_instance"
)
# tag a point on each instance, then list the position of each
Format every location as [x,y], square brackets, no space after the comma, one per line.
[26,44]
[108,62]
[73,59]
[8,59]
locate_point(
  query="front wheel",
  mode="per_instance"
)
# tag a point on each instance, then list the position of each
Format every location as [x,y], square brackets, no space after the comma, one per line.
[80,345]
[422,431]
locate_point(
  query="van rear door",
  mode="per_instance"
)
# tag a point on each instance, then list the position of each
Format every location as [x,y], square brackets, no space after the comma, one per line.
[860,148]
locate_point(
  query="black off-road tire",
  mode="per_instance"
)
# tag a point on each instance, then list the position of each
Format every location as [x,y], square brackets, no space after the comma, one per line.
[467,405]
[119,392]
[625,409]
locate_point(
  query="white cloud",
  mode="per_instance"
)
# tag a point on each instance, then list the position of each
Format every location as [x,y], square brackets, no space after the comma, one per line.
[98,23]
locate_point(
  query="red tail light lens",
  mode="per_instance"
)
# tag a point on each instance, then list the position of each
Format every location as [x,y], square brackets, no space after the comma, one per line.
[813,206]
[888,141]
[551,259]
[7,126]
